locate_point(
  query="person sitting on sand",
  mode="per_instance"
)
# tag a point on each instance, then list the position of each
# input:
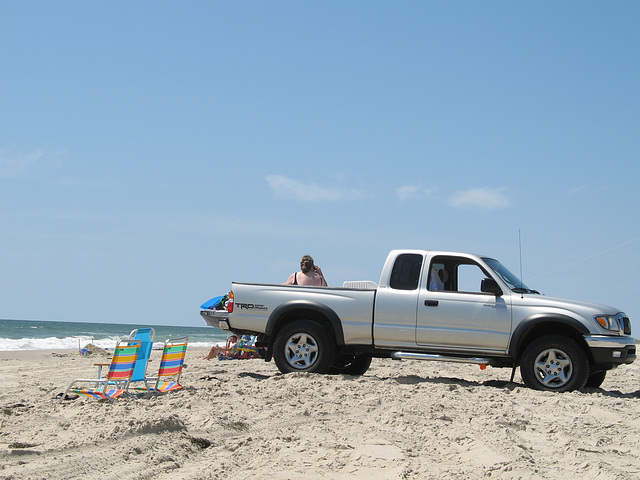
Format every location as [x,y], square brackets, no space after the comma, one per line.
[228,349]
[310,274]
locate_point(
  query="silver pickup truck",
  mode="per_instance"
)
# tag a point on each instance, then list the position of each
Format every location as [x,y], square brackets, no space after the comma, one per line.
[432,305]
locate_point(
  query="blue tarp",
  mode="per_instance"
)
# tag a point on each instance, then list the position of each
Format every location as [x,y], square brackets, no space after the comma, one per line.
[213,303]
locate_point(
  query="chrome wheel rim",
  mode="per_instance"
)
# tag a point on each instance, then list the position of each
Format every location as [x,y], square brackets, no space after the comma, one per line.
[553,368]
[301,351]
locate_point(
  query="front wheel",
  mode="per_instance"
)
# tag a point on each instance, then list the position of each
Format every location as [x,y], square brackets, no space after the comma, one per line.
[554,363]
[304,346]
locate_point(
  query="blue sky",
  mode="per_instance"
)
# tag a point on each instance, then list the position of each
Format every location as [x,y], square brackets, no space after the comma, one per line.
[153,152]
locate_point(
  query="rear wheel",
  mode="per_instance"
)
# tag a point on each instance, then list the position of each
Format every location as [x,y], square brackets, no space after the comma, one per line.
[304,346]
[351,364]
[554,363]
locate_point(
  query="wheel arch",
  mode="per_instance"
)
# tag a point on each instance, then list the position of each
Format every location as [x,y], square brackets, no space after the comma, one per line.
[298,309]
[539,325]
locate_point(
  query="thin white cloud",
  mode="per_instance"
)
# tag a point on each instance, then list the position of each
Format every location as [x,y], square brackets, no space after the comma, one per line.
[577,190]
[408,192]
[16,164]
[100,183]
[484,198]
[292,189]
[413,192]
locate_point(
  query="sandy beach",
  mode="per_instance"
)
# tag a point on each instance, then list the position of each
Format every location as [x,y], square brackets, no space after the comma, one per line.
[242,419]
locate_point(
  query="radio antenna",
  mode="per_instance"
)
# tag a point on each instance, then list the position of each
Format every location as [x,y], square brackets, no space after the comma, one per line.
[520,248]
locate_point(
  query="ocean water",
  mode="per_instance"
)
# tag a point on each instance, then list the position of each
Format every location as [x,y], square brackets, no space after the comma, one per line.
[44,335]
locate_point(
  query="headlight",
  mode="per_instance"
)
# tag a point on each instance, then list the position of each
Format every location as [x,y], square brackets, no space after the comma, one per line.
[609,322]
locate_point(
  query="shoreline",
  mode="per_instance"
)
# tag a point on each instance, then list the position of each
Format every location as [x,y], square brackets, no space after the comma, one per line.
[242,418]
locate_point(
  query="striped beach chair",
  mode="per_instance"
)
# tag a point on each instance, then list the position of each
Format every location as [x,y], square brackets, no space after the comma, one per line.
[116,381]
[168,377]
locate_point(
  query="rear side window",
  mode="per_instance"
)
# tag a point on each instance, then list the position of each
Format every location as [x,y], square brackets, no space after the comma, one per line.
[406,272]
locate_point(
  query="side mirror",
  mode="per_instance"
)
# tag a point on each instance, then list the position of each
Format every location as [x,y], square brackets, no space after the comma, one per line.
[489,285]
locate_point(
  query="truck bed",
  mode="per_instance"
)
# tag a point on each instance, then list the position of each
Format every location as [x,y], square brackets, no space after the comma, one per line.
[255,303]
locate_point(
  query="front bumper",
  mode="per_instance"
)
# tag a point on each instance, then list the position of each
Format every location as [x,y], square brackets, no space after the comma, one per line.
[611,351]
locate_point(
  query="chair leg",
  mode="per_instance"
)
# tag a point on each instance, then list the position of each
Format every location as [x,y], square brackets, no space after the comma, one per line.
[64,395]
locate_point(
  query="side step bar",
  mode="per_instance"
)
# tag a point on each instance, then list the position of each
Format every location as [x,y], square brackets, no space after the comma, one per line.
[438,358]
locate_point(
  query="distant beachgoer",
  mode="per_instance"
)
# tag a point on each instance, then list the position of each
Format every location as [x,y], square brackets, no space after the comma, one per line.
[310,274]
[228,349]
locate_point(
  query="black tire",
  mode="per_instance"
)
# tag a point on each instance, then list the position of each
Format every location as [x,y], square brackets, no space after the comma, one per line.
[304,346]
[350,365]
[596,379]
[555,363]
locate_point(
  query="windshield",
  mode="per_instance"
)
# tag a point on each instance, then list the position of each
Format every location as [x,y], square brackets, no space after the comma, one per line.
[512,281]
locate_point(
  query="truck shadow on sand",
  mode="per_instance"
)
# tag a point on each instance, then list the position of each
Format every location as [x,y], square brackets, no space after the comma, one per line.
[452,381]
[255,376]
[455,382]
[499,384]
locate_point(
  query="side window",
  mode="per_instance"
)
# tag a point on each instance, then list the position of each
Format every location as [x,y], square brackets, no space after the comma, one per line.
[455,274]
[406,272]
[470,278]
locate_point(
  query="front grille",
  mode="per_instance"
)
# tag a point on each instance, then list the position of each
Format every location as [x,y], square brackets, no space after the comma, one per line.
[626,324]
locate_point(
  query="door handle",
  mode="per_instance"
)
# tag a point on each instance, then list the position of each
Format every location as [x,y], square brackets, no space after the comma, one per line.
[430,303]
